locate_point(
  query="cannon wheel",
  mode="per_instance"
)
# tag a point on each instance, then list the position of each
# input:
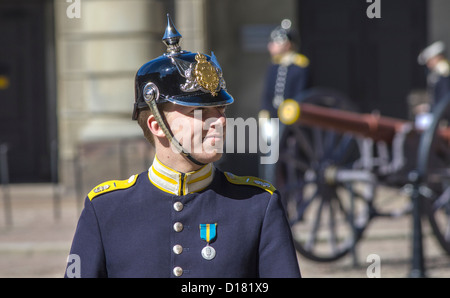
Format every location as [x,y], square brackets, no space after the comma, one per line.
[433,169]
[327,200]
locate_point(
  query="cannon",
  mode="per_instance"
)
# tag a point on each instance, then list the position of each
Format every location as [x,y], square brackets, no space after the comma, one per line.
[333,159]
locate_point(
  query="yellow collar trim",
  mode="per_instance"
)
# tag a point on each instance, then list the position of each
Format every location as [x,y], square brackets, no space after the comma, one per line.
[178,183]
[284,59]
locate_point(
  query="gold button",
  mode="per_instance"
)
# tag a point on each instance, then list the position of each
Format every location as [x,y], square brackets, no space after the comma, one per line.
[178,249]
[178,227]
[177,271]
[178,206]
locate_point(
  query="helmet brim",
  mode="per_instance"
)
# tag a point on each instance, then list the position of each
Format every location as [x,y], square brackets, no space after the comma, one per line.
[202,99]
[195,100]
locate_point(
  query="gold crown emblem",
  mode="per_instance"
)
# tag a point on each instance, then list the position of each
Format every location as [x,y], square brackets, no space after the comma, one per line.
[200,75]
[206,74]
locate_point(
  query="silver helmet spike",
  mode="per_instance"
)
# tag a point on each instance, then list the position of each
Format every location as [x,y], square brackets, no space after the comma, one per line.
[172,37]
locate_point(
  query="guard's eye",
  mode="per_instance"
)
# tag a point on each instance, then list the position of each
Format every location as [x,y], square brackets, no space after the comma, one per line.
[201,109]
[222,108]
[208,111]
[195,110]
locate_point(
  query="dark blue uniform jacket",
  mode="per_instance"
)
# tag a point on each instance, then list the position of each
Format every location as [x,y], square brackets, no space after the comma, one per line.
[296,81]
[130,232]
[441,89]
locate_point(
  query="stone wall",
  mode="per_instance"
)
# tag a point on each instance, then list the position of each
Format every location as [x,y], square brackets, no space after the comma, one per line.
[98,55]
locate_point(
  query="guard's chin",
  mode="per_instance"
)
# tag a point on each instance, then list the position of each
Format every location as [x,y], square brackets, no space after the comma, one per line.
[208,157]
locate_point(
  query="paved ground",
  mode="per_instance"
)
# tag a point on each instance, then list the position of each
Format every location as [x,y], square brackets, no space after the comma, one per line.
[37,243]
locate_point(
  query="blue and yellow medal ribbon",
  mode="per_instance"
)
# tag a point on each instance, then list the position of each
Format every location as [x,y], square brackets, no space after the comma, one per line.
[208,232]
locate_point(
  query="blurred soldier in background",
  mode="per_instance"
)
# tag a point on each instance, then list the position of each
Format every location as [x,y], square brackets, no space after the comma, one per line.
[438,73]
[286,77]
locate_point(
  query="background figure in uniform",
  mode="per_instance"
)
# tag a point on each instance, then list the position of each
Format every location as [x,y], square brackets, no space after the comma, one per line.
[438,74]
[183,217]
[286,77]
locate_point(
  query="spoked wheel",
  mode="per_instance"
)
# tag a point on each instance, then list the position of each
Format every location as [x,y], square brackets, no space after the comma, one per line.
[434,172]
[327,200]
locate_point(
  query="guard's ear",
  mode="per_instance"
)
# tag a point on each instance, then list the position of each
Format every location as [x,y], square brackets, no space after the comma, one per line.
[154,127]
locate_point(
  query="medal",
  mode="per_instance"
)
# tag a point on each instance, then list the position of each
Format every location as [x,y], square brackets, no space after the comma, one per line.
[208,233]
[208,252]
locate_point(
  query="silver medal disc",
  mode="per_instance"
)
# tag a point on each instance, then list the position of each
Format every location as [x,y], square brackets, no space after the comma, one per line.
[208,252]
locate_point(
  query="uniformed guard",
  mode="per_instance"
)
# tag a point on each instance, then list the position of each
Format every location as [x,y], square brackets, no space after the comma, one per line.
[438,75]
[183,217]
[287,76]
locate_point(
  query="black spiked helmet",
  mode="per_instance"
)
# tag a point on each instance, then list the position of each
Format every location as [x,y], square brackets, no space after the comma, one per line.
[181,77]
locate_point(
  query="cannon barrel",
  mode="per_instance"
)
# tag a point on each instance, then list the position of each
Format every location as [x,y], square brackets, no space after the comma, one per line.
[374,126]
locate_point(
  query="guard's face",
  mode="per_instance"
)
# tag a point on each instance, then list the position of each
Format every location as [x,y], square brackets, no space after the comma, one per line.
[278,48]
[433,61]
[200,130]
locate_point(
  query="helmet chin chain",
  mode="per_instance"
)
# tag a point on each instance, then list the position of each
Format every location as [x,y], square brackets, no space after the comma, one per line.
[151,102]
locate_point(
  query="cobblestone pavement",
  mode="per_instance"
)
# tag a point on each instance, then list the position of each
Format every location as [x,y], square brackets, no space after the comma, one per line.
[36,243]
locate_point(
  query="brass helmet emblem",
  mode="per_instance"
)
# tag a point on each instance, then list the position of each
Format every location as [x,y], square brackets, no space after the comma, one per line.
[206,74]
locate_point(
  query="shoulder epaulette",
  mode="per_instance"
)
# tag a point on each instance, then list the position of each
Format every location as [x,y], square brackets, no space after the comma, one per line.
[301,60]
[112,185]
[249,180]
